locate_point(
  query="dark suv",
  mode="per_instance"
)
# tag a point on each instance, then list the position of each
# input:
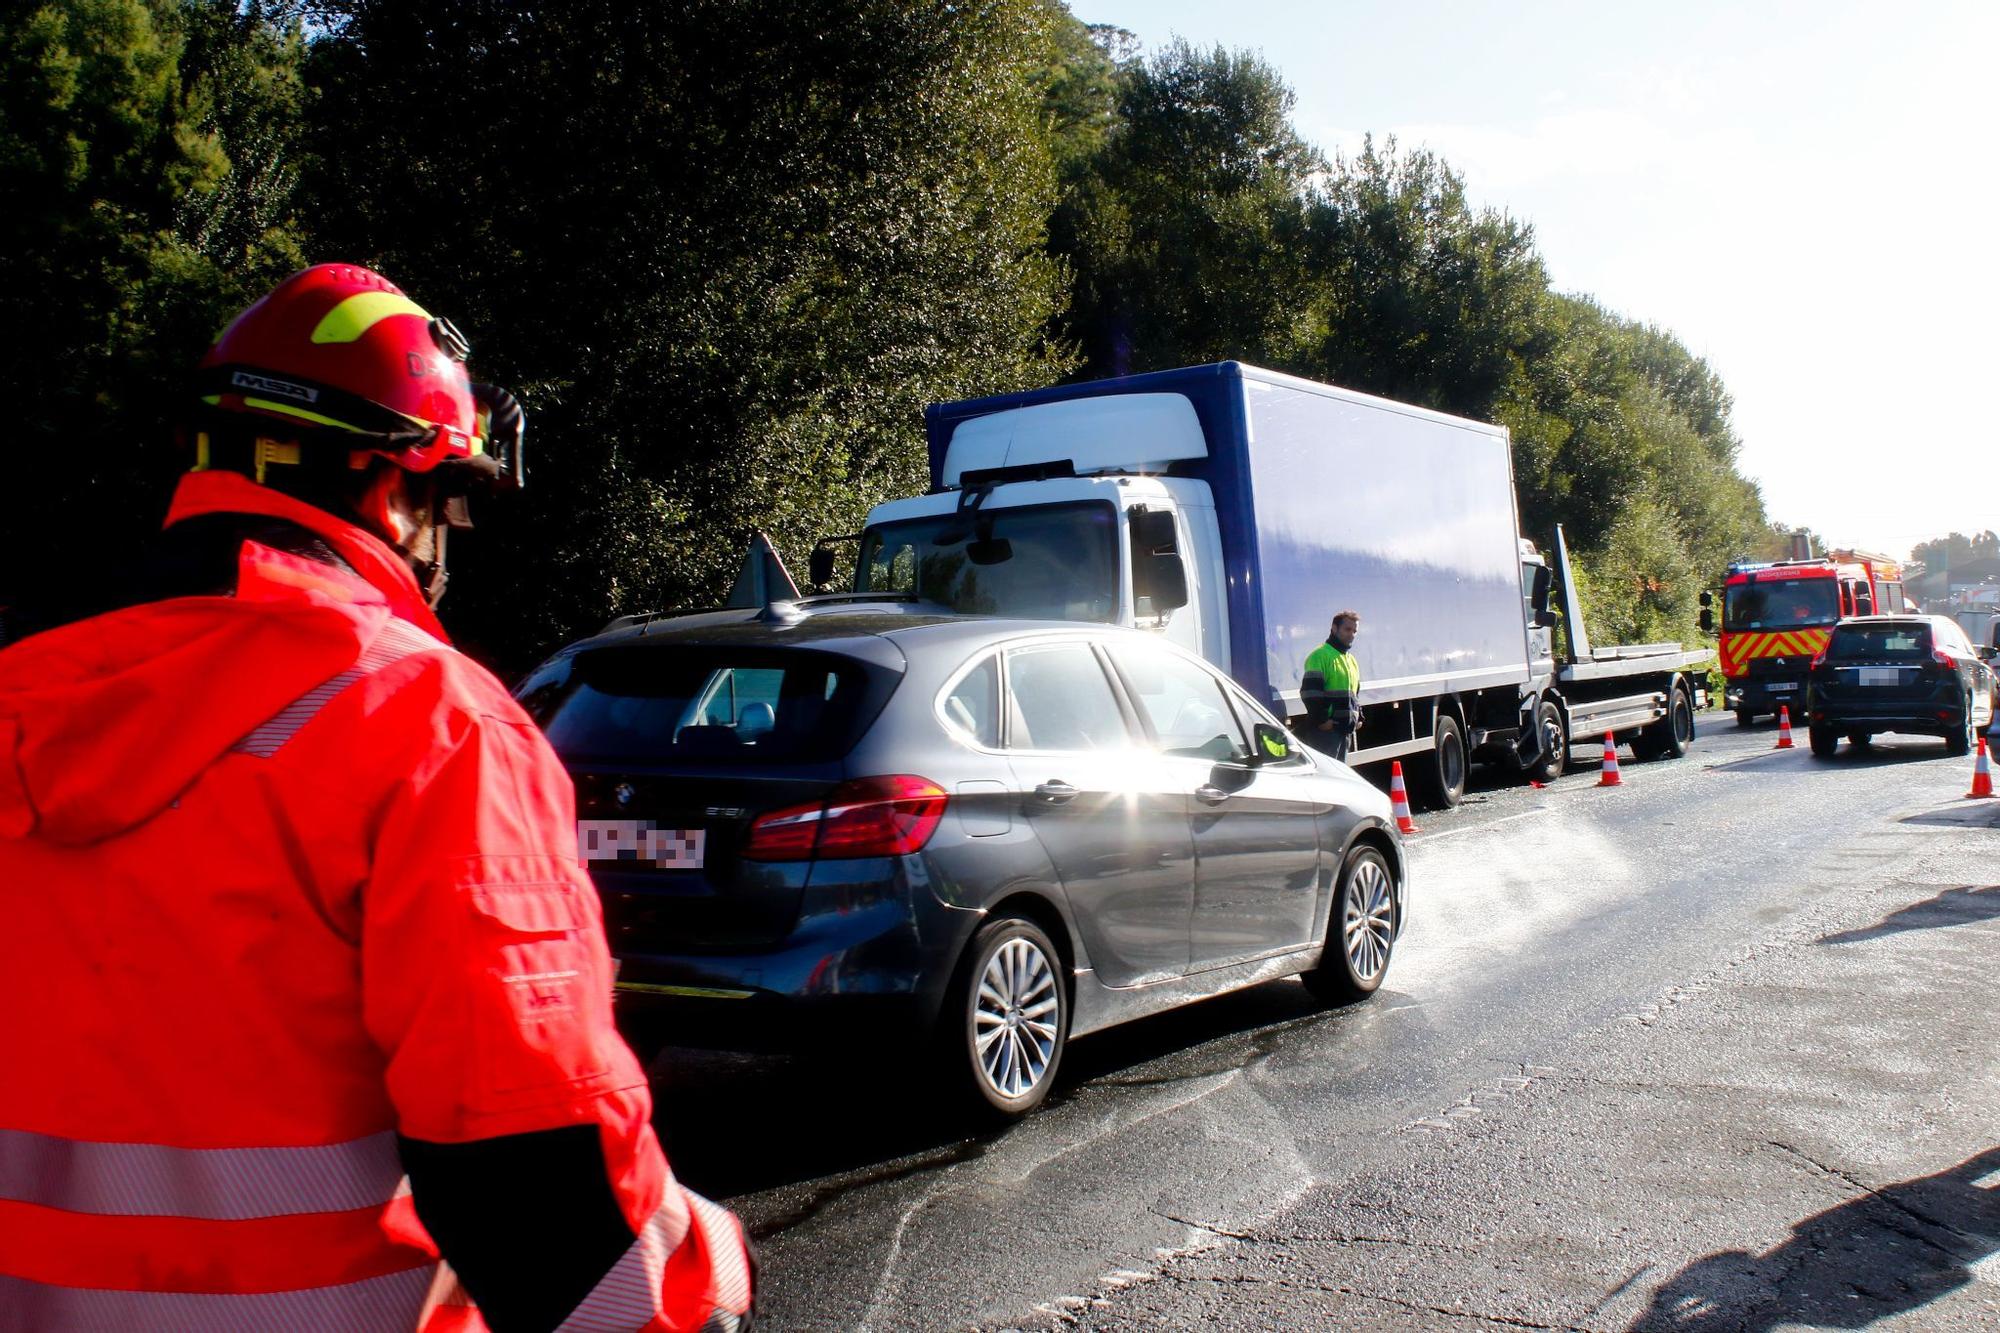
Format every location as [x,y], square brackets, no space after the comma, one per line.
[870,826]
[1898,673]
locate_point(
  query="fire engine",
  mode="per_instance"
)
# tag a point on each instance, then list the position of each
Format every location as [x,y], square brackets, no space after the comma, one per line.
[1776,616]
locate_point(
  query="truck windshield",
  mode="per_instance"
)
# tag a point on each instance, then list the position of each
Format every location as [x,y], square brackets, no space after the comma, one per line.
[1781,604]
[1056,562]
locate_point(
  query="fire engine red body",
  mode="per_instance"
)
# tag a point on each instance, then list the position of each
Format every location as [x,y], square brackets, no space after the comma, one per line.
[1776,617]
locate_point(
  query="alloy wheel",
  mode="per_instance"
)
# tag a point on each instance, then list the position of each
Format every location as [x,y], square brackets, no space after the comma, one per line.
[1368,923]
[1016,1018]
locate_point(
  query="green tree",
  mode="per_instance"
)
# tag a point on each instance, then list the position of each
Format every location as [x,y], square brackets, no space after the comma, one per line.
[1186,227]
[727,250]
[1430,300]
[148,154]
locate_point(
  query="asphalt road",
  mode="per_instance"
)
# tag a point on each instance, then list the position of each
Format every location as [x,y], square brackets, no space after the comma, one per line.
[1190,1168]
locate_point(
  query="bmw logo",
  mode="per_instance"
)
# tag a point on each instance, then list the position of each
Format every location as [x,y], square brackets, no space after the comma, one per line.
[623,794]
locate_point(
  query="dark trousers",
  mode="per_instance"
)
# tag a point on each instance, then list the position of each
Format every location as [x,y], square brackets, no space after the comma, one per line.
[1335,743]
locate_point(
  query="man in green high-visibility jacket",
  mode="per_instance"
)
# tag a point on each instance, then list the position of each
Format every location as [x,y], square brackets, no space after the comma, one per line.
[1332,688]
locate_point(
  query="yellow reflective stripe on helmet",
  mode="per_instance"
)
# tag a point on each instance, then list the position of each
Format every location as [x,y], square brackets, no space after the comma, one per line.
[293,410]
[356,315]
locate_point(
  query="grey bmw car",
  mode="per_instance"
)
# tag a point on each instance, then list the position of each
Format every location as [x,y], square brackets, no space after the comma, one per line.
[987,836]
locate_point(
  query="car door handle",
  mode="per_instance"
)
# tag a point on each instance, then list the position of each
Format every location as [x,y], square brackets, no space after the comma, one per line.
[1056,792]
[1210,794]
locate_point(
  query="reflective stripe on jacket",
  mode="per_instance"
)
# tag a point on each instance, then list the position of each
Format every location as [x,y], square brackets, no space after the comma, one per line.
[294,887]
[1331,687]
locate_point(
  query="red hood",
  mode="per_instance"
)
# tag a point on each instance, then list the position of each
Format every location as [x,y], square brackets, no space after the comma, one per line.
[104,722]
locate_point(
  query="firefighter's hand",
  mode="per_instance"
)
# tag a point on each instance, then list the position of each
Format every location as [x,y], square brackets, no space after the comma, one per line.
[1326,725]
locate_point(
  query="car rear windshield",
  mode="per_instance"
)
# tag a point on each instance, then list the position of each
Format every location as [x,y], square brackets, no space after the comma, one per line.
[1781,603]
[660,703]
[1880,641]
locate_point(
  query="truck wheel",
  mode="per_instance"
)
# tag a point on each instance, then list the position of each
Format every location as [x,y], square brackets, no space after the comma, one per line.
[1360,931]
[1006,1020]
[1555,744]
[1441,773]
[1673,735]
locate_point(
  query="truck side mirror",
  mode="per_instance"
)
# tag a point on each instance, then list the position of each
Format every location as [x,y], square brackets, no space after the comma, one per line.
[1158,576]
[1546,619]
[819,567]
[1707,598]
[1707,618]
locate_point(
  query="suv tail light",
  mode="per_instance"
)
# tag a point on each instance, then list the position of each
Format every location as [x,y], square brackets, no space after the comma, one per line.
[1943,658]
[890,816]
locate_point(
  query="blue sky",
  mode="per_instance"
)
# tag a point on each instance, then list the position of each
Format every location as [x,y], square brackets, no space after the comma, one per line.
[1802,192]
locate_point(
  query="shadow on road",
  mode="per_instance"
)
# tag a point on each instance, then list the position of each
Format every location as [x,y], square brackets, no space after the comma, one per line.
[1883,1254]
[1953,907]
[736,1124]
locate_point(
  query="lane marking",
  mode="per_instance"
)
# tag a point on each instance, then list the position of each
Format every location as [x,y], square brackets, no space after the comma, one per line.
[1474,828]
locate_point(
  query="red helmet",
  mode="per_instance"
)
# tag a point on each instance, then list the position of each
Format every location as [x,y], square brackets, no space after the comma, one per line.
[341,356]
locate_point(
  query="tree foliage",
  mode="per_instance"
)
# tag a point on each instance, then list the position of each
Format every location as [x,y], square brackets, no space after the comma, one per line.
[148,155]
[1206,229]
[726,250]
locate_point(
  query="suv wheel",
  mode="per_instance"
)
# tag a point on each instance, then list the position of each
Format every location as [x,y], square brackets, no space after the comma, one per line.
[1008,1018]
[1824,740]
[1959,739]
[1360,931]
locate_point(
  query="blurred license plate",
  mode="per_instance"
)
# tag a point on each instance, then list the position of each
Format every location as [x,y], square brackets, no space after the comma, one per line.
[1881,676]
[1783,687]
[638,840]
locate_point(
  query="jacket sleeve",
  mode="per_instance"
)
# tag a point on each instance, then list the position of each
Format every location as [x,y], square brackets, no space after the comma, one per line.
[524,1118]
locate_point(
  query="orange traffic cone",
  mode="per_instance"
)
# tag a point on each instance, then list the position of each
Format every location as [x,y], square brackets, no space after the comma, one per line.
[1982,776]
[1610,778]
[1784,728]
[1399,798]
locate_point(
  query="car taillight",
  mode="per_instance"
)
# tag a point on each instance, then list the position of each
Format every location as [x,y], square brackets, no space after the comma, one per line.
[1942,658]
[890,816]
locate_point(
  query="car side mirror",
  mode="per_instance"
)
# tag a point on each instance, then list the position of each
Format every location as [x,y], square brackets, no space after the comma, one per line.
[819,566]
[1986,652]
[1271,745]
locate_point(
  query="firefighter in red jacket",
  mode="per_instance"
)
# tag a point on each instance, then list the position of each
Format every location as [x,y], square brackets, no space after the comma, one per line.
[310,990]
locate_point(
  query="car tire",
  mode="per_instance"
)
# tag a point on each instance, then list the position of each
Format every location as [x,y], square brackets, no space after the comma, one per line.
[1010,972]
[1673,735]
[1959,740]
[1555,744]
[1361,931]
[1825,741]
[1441,772]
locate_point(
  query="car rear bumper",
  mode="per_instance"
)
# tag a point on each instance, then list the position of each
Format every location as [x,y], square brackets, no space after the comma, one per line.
[878,965]
[1918,716]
